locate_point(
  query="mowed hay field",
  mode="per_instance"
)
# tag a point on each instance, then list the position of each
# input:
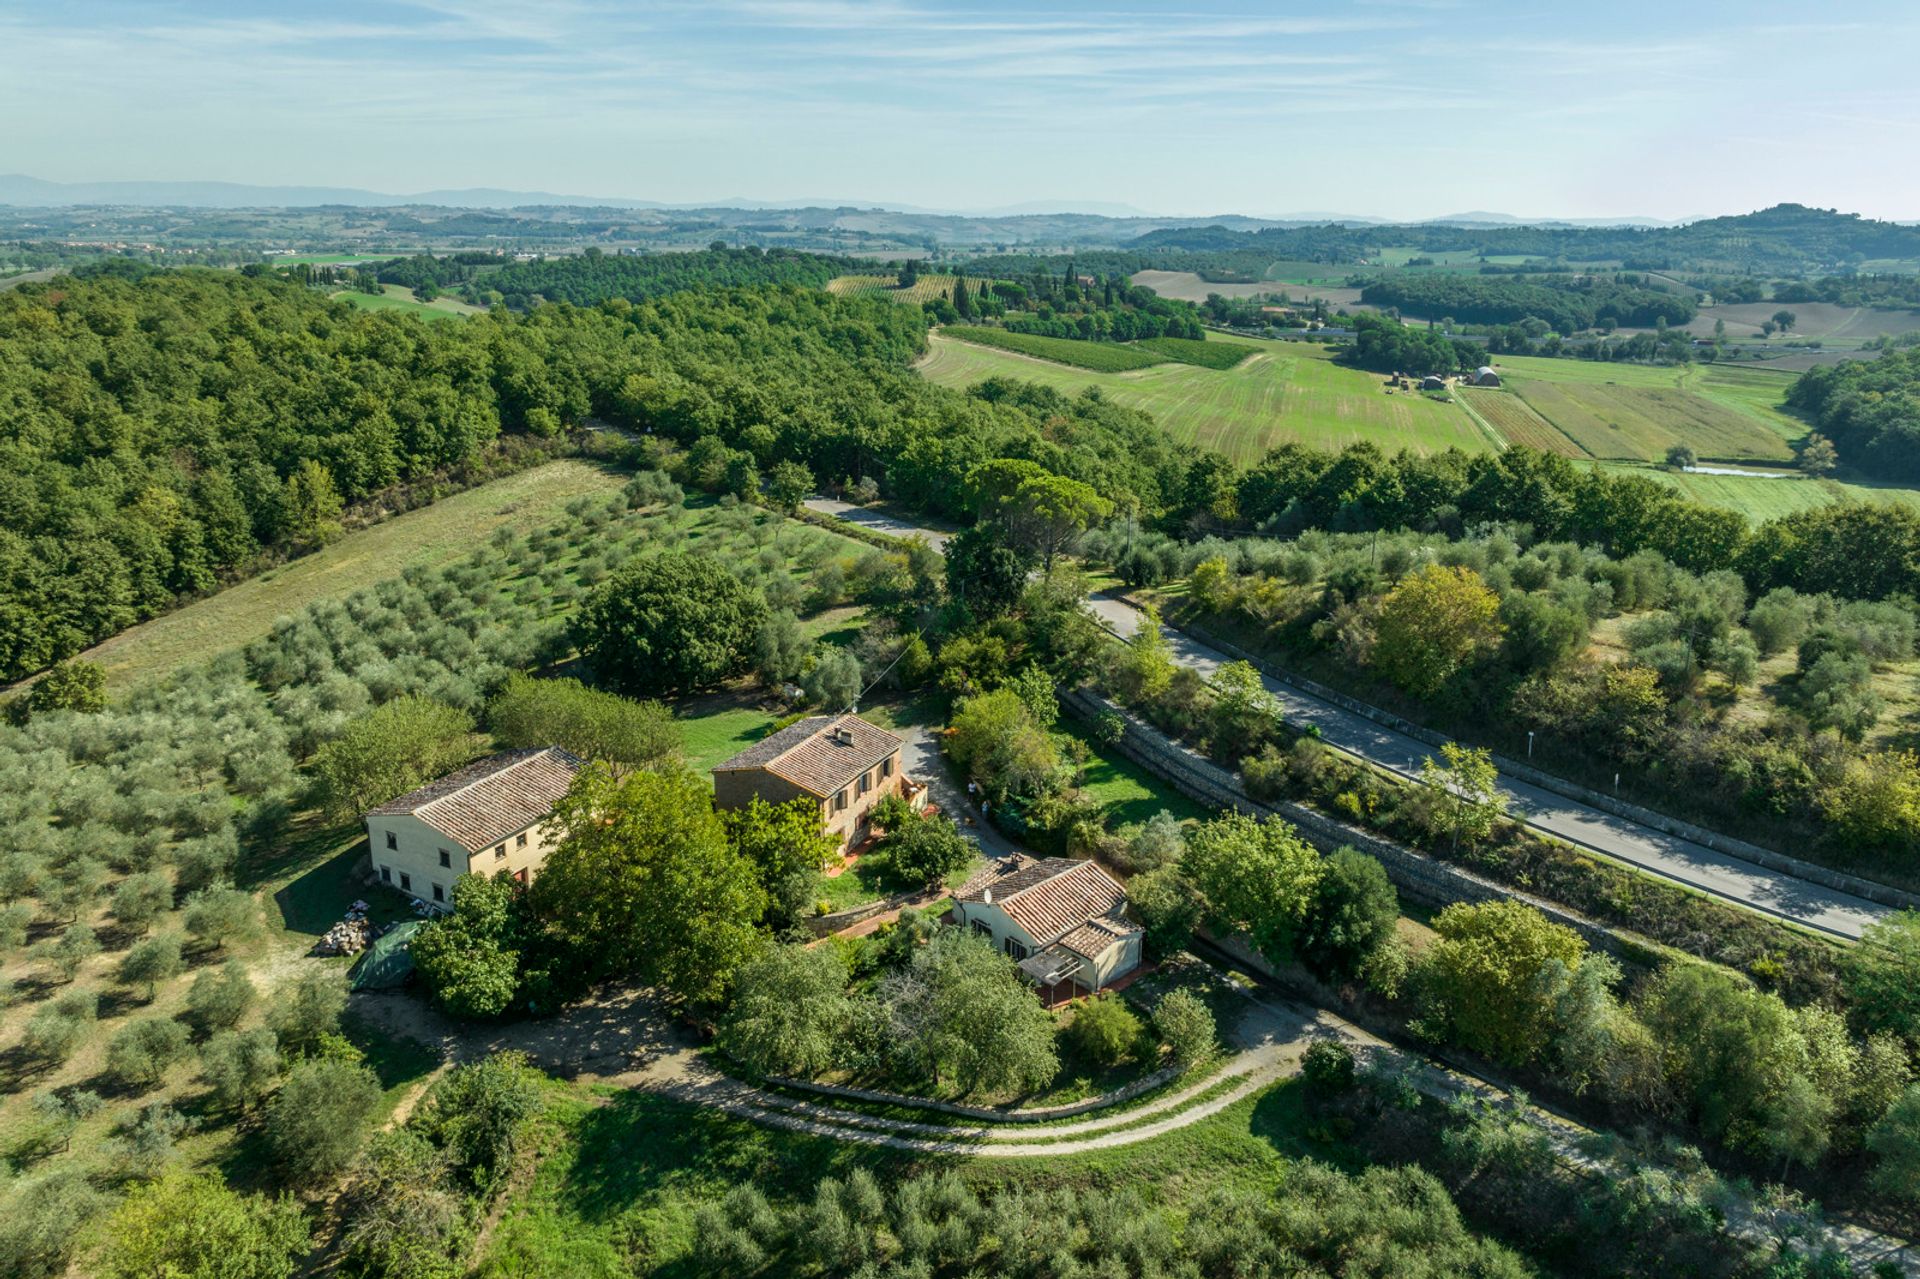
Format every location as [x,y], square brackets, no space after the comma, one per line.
[1636,413]
[1185,286]
[1764,498]
[1284,391]
[1823,321]
[397,297]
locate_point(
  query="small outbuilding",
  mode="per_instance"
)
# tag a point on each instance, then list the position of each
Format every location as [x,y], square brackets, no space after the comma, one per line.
[1433,382]
[1062,921]
[1485,376]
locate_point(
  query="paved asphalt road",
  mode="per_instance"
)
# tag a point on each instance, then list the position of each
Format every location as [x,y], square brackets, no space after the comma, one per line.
[1682,861]
[1668,856]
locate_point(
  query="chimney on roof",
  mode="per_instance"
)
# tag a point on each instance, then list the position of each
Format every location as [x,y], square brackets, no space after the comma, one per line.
[844,736]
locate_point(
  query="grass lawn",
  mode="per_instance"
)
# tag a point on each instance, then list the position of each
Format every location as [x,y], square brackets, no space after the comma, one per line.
[1760,498]
[429,536]
[1284,391]
[620,1174]
[1127,793]
[397,297]
[714,730]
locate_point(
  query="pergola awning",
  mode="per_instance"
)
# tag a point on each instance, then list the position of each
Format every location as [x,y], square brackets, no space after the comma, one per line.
[1051,966]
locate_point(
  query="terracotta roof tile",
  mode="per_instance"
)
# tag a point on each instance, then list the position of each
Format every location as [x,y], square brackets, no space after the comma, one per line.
[1096,937]
[810,754]
[1052,896]
[490,799]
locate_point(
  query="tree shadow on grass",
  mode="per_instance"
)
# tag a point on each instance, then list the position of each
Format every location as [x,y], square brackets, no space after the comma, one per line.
[642,1145]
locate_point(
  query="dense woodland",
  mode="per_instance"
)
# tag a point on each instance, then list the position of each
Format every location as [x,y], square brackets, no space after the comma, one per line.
[1870,410]
[1566,304]
[592,277]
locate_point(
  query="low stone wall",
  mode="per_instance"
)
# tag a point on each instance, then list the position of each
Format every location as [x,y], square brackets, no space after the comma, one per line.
[821,925]
[1727,844]
[1423,878]
[1027,1115]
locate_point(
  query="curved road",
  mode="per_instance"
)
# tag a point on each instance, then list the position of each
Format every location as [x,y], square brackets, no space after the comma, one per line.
[1681,861]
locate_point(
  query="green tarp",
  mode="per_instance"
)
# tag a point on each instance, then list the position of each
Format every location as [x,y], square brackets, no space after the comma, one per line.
[389,961]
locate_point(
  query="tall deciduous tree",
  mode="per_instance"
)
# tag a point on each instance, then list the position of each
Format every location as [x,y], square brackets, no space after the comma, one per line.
[1433,625]
[789,1012]
[669,623]
[388,751]
[1483,978]
[1258,877]
[643,882]
[967,1015]
[1466,786]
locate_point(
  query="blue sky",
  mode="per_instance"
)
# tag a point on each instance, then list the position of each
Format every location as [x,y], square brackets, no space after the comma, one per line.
[1401,109]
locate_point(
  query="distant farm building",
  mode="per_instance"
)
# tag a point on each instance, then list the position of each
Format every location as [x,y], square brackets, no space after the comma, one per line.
[1485,376]
[1433,382]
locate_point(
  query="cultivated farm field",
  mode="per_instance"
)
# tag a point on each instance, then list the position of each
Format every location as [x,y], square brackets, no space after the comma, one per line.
[1324,282]
[397,297]
[1824,321]
[926,289]
[1516,420]
[1636,412]
[1284,391]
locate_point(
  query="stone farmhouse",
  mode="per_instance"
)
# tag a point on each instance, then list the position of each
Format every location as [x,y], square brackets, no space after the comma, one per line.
[841,762]
[485,819]
[1062,921]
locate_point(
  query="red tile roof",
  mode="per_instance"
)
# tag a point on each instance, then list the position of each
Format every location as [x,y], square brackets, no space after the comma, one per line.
[480,805]
[812,754]
[1052,897]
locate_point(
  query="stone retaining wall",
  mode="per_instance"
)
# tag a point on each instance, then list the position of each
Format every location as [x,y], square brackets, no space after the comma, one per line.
[1423,878]
[1740,848]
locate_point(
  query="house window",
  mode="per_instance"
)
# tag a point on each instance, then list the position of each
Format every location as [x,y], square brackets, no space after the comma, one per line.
[1016,950]
[982,929]
[393,840]
[439,893]
[839,801]
[406,882]
[520,840]
[446,858]
[886,767]
[863,783]
[500,853]
[386,874]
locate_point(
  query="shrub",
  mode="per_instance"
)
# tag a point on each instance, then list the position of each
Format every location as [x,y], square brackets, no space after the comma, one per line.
[240,1066]
[320,1118]
[927,849]
[220,997]
[389,751]
[789,1011]
[589,722]
[1186,1026]
[1352,915]
[1328,1066]
[70,953]
[143,1050]
[54,1032]
[70,686]
[478,1112]
[195,1226]
[1104,1031]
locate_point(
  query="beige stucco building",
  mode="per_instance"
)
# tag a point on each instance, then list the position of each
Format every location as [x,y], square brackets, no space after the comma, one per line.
[488,818]
[1063,921]
[841,762]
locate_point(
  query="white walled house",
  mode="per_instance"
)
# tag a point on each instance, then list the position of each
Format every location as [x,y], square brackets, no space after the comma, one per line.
[1062,921]
[488,818]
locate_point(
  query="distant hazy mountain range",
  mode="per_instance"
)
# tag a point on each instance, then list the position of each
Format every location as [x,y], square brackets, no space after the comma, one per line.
[21,190]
